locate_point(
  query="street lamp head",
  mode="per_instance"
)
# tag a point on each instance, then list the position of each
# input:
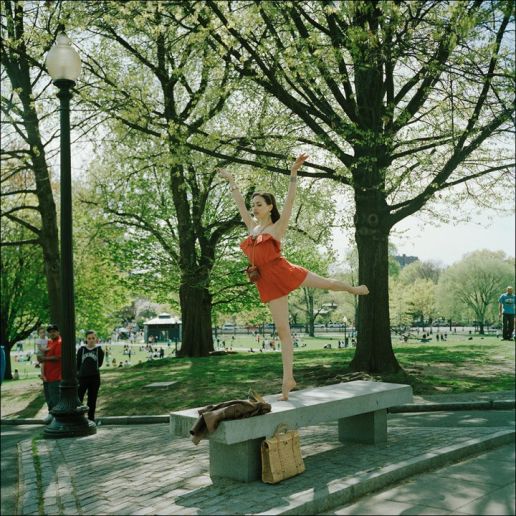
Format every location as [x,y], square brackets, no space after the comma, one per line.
[63,62]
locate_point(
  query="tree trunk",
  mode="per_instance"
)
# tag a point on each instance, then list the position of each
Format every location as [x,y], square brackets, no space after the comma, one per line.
[48,235]
[309,304]
[8,375]
[372,158]
[197,339]
[194,294]
[374,353]
[50,244]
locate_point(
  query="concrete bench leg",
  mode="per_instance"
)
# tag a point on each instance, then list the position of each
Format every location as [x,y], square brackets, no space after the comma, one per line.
[240,461]
[368,428]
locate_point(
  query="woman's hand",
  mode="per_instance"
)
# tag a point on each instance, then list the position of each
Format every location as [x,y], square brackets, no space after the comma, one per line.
[299,162]
[228,176]
[361,290]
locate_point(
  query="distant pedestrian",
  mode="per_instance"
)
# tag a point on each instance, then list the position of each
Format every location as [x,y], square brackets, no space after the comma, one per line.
[89,360]
[16,375]
[506,311]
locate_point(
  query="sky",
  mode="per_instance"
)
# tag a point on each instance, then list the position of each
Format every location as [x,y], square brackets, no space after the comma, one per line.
[447,243]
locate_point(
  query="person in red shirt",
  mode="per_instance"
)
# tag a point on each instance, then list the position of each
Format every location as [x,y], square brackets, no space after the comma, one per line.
[52,360]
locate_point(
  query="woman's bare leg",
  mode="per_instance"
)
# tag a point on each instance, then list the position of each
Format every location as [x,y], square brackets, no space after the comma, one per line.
[279,312]
[313,280]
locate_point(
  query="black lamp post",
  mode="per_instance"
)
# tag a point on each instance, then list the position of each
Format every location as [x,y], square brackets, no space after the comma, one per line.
[64,66]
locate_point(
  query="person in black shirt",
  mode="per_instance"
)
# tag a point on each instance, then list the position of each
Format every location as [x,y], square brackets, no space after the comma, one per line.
[89,360]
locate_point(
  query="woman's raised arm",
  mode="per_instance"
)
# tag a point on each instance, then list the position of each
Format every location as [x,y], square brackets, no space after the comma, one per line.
[238,198]
[282,224]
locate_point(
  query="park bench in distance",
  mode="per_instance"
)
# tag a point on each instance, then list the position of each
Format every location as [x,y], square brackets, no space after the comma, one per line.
[360,407]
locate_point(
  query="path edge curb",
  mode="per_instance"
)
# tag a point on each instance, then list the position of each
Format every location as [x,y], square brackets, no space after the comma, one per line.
[453,406]
[20,487]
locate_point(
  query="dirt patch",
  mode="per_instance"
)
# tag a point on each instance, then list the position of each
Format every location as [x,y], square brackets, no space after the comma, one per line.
[22,398]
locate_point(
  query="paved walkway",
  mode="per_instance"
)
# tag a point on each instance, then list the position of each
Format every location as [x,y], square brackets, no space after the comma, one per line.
[140,469]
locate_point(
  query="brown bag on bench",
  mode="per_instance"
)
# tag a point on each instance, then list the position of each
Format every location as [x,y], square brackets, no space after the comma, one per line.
[281,455]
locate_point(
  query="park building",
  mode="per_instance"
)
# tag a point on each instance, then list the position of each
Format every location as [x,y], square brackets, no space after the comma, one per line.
[163,328]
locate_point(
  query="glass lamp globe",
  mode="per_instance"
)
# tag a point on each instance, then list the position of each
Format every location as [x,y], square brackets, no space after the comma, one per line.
[62,61]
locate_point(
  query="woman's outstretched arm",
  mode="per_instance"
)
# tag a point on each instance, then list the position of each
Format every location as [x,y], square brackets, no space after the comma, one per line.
[282,224]
[238,198]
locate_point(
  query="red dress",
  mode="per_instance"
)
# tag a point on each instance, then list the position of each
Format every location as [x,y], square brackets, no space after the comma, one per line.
[278,276]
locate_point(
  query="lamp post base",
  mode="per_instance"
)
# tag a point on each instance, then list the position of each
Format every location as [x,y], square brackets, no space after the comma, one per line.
[69,424]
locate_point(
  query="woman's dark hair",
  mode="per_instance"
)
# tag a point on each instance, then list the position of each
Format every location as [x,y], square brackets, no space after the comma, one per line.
[269,199]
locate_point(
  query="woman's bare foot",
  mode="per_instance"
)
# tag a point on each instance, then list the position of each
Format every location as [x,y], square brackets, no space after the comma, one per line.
[286,388]
[361,290]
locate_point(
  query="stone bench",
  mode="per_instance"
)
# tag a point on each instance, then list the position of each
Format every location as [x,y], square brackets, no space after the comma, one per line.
[360,407]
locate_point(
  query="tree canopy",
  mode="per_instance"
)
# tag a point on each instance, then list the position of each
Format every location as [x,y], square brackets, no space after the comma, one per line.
[406,100]
[474,285]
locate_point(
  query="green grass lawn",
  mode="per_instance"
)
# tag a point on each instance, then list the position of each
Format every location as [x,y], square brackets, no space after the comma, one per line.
[458,365]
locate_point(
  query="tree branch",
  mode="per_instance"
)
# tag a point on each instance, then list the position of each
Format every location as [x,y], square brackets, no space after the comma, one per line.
[22,222]
[17,192]
[139,223]
[30,241]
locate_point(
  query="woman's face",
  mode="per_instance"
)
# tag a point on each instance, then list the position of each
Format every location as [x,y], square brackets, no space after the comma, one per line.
[259,207]
[91,340]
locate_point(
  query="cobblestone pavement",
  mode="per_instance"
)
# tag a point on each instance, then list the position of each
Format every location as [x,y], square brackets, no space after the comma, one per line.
[140,469]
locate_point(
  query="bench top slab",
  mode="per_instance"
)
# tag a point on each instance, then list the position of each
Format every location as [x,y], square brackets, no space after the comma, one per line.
[304,408]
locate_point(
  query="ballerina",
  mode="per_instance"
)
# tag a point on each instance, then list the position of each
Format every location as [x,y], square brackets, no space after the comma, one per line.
[276,277]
